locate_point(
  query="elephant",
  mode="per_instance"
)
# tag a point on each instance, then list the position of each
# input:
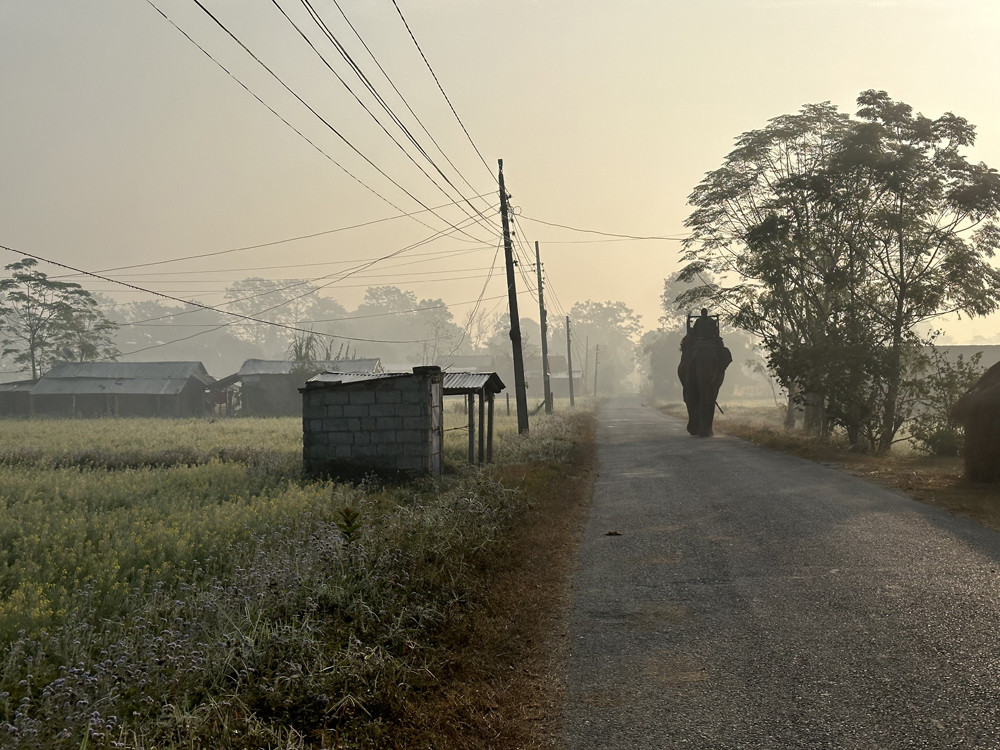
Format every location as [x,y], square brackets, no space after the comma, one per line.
[978,411]
[701,371]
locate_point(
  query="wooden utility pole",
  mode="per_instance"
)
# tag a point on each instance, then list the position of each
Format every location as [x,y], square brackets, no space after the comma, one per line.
[520,392]
[569,362]
[597,359]
[546,385]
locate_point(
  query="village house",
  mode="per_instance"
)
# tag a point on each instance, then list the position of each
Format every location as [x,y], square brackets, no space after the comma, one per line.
[122,389]
[270,388]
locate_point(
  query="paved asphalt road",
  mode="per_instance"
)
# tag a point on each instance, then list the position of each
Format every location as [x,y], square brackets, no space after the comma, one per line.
[748,599]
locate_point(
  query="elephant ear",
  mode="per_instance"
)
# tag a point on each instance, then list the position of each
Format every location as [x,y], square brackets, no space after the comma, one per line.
[727,357]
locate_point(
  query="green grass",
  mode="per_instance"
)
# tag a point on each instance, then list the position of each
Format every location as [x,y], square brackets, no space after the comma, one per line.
[180,584]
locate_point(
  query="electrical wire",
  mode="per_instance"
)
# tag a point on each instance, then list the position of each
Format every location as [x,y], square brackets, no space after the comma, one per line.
[273,111]
[341,276]
[320,117]
[674,238]
[199,305]
[440,87]
[272,243]
[381,100]
[399,123]
[400,94]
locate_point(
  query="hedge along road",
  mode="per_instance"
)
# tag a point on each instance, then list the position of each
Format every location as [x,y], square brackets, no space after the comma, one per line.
[731,597]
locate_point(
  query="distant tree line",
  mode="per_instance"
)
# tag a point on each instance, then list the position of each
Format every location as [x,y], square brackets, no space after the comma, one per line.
[44,321]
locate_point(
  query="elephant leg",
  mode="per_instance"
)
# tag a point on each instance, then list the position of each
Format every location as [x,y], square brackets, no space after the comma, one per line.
[707,416]
[693,407]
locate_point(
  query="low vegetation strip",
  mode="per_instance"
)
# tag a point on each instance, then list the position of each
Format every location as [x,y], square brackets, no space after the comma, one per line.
[232,603]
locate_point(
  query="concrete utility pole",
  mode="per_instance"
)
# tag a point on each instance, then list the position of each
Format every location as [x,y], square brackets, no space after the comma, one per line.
[520,392]
[545,337]
[569,362]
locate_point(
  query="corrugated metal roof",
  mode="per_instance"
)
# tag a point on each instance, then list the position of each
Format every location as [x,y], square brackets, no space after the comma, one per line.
[123,370]
[284,367]
[138,378]
[354,377]
[469,363]
[89,386]
[472,381]
[453,382]
[16,386]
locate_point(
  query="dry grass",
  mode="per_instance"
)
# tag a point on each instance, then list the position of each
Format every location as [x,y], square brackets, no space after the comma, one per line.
[934,480]
[505,693]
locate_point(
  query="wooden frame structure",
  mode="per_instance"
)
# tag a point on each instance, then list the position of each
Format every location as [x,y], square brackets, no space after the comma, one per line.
[485,385]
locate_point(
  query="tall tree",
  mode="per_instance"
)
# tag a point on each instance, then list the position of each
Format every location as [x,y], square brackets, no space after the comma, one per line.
[928,231]
[275,303]
[437,325]
[836,237]
[613,326]
[43,320]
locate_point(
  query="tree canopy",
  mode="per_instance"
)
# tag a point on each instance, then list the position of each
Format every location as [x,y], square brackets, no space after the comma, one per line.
[614,327]
[43,320]
[834,238]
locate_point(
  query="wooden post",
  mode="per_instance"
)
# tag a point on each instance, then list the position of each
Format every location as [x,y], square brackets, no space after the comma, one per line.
[470,401]
[520,394]
[482,425]
[569,362]
[542,317]
[489,434]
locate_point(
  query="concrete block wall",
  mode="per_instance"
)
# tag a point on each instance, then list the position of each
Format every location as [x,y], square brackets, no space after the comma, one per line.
[385,424]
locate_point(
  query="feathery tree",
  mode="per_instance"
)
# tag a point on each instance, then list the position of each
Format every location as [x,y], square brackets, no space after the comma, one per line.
[43,320]
[834,238]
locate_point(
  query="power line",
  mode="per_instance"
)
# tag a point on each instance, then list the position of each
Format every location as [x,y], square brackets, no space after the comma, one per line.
[399,93]
[393,275]
[311,291]
[674,238]
[381,100]
[399,123]
[440,87]
[273,111]
[320,117]
[240,316]
[272,243]
[342,275]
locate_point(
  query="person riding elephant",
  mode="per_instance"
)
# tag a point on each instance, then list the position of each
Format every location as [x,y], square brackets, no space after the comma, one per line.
[705,326]
[704,359]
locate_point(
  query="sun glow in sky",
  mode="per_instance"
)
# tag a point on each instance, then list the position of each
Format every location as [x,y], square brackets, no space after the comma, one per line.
[124,144]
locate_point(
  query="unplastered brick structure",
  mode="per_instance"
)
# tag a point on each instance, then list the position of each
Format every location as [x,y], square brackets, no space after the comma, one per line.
[382,422]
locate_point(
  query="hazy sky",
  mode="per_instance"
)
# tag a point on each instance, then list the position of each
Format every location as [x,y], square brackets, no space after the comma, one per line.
[125,144]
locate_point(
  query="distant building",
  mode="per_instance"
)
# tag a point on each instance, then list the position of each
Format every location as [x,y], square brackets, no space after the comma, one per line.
[125,389]
[15,398]
[270,388]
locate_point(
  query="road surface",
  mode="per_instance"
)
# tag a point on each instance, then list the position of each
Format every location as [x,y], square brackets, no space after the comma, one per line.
[730,597]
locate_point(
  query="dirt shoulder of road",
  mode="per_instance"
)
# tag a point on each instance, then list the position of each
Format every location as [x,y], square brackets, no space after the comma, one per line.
[507,691]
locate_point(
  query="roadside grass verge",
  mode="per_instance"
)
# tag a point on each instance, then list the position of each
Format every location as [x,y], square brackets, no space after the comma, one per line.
[183,586]
[934,480]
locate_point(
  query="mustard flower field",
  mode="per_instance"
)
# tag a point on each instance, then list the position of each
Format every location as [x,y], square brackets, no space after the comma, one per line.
[178,583]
